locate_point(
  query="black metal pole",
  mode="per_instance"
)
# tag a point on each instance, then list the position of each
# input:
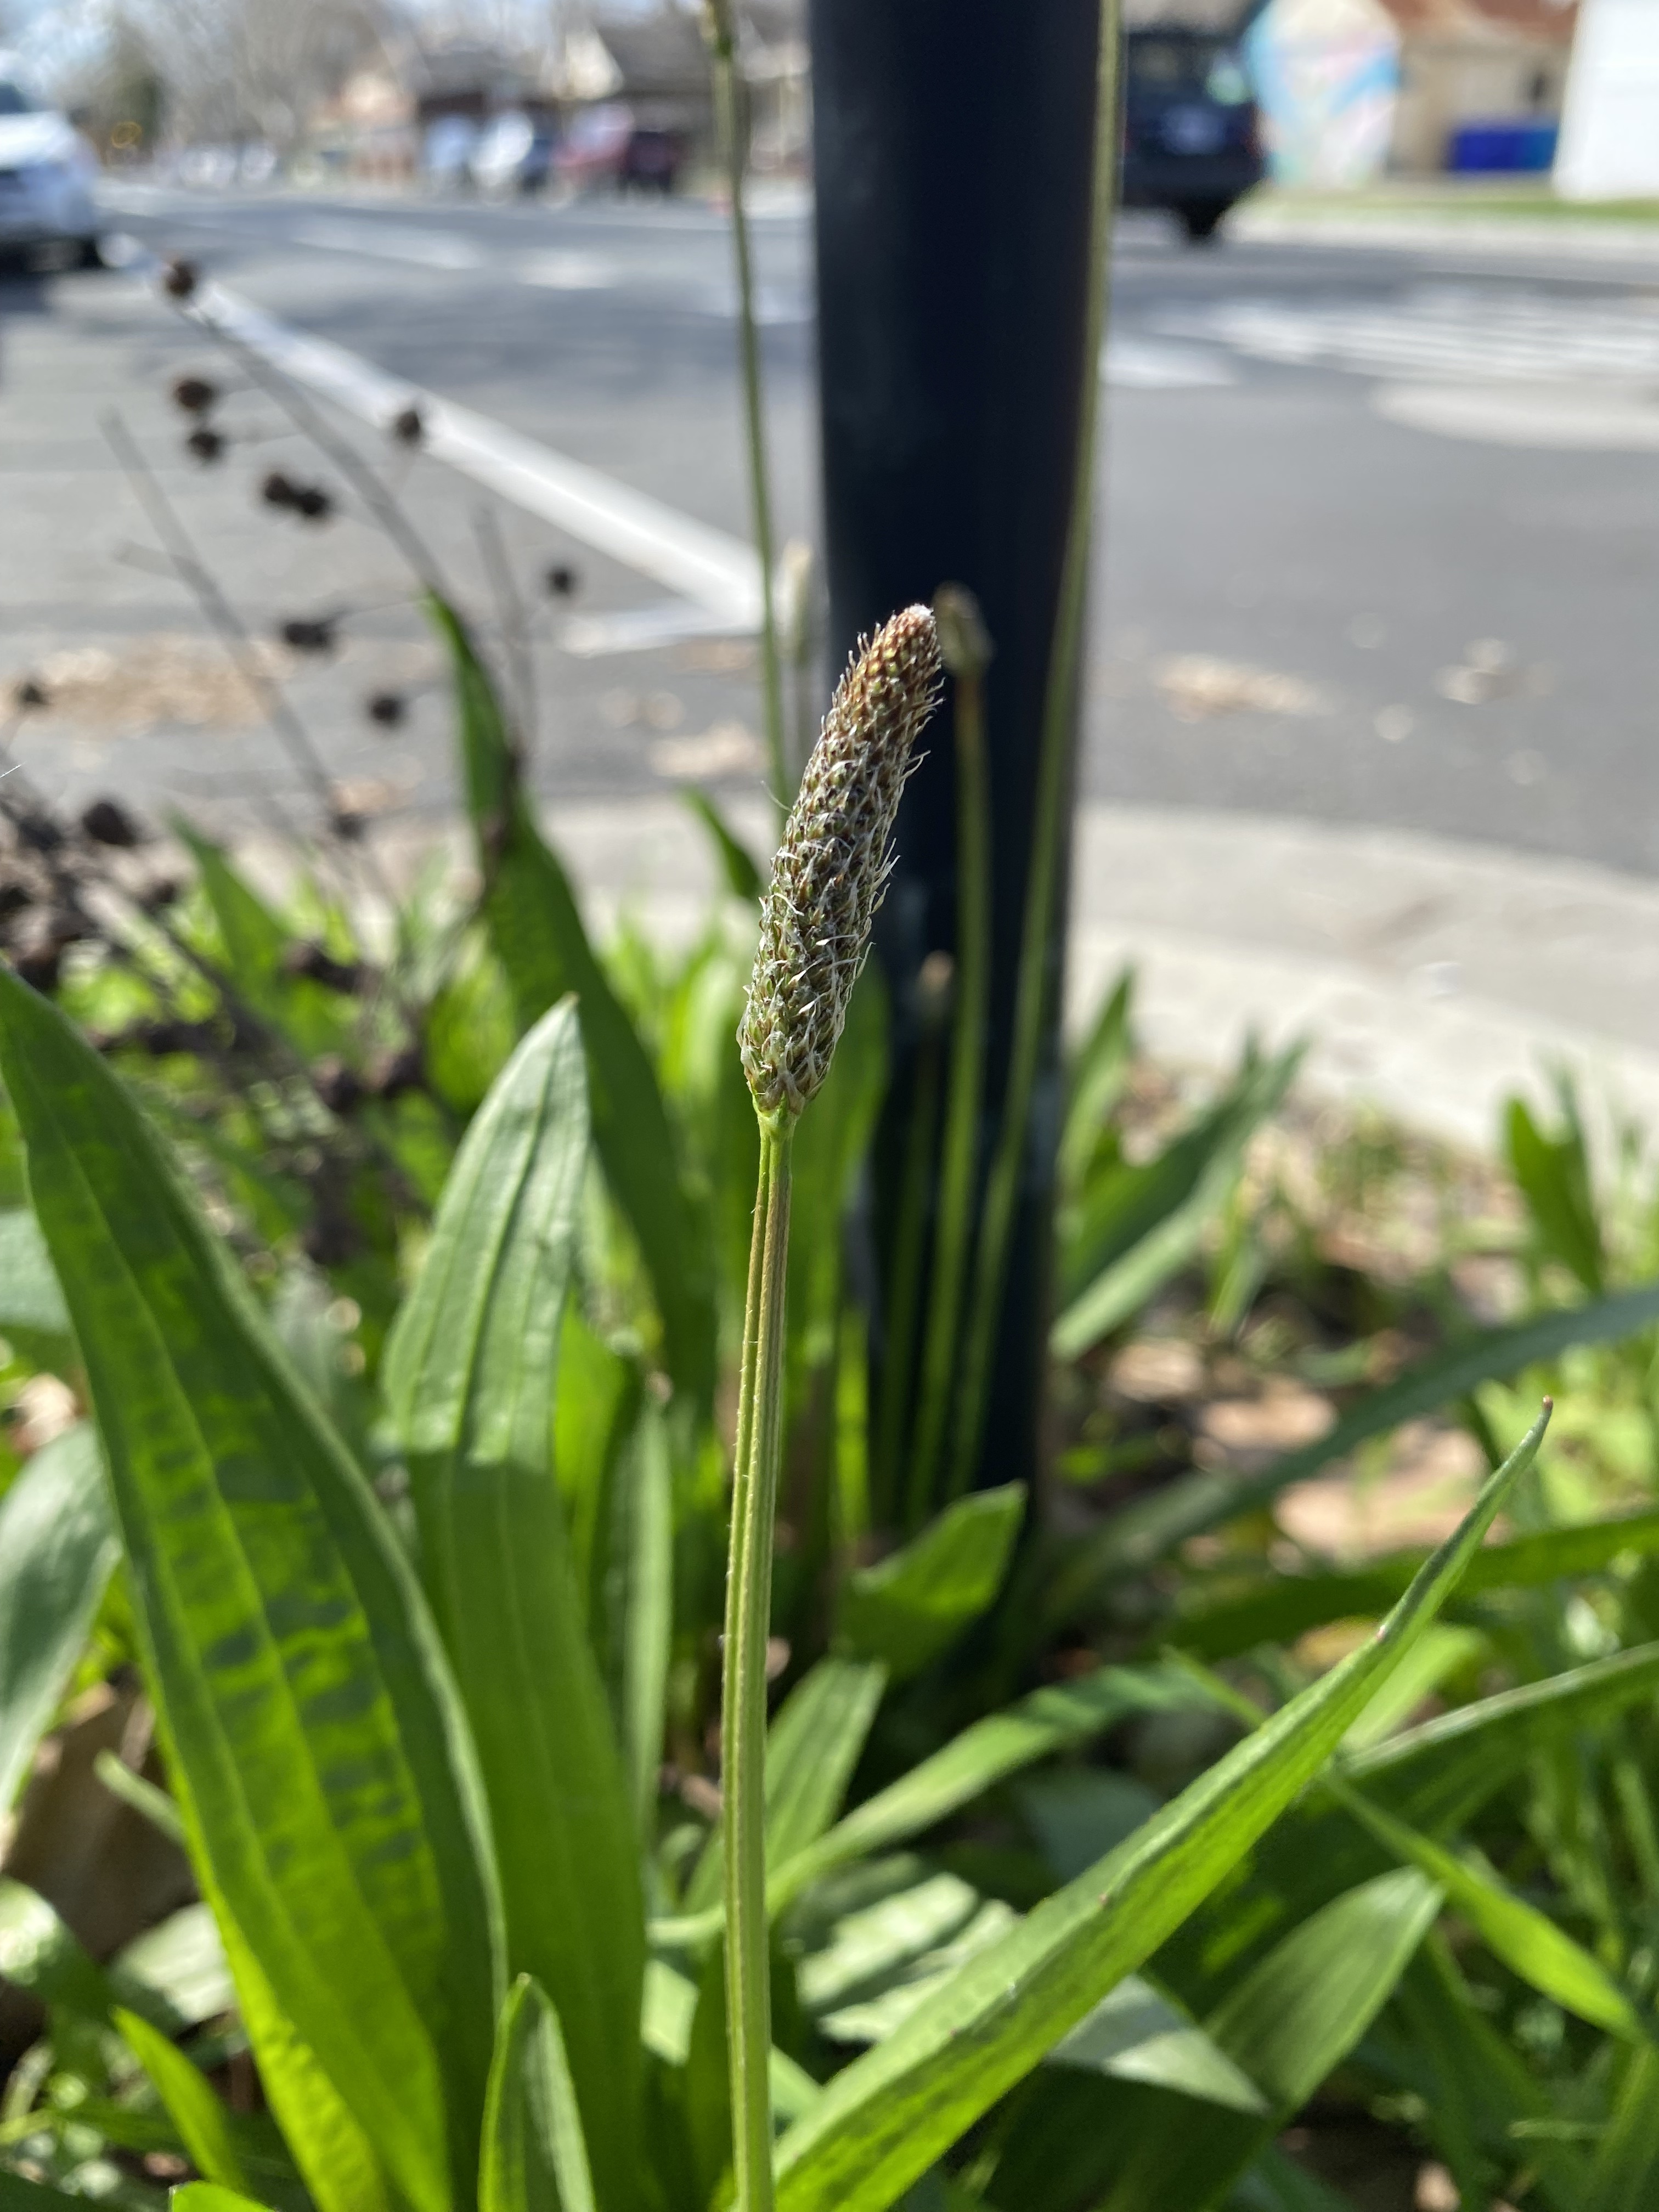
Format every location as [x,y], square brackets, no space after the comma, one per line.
[955,145]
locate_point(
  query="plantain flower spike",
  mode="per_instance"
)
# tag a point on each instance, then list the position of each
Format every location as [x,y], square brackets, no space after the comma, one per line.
[833,863]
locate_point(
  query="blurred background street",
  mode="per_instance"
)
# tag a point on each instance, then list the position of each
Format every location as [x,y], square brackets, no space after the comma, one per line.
[1378,518]
[1368,712]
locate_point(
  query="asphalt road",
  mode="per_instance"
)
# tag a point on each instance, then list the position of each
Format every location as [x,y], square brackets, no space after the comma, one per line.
[1378,523]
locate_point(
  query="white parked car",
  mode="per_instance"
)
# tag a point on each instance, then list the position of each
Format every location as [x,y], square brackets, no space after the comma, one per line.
[46,173]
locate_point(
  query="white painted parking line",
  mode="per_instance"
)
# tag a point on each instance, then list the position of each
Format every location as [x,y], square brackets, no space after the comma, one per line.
[718,573]
[388,241]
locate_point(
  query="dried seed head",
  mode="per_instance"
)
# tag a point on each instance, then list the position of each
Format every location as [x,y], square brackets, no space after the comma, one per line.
[106,822]
[832,865]
[195,395]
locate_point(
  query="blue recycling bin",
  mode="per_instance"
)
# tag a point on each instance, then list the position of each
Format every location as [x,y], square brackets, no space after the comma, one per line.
[1525,146]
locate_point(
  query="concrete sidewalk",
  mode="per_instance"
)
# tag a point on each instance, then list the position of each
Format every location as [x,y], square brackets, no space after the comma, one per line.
[1432,978]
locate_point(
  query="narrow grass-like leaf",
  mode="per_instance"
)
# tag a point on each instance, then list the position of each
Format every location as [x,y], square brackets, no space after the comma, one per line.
[39,1954]
[882,2123]
[57,1550]
[1296,2015]
[534,2157]
[255,941]
[640,1604]
[470,1377]
[1526,1940]
[1093,1082]
[743,879]
[301,1687]
[142,1797]
[1290,2021]
[537,930]
[1554,1175]
[1130,1539]
[203,2120]
[1058,1717]
[811,1749]
[1437,1775]
[1162,1212]
[1625,2175]
[913,1605]
[1478,2092]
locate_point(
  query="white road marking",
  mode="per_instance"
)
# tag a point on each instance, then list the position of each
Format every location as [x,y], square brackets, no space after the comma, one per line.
[565,272]
[1130,362]
[1562,418]
[1445,332]
[718,573]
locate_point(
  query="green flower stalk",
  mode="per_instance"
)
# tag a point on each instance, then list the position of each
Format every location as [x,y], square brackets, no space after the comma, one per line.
[828,879]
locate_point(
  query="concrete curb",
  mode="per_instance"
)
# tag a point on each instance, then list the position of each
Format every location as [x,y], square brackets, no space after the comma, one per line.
[1496,236]
[1431,977]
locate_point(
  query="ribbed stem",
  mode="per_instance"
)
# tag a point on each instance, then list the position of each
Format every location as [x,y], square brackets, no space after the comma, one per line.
[729,120]
[959,1155]
[743,1679]
[1041,955]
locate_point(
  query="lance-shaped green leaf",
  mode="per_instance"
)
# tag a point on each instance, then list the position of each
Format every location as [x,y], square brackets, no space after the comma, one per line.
[57,1550]
[1289,2021]
[338,2162]
[1528,1941]
[469,1372]
[39,1954]
[811,1749]
[1624,2176]
[1133,1538]
[202,2121]
[1058,1717]
[538,934]
[1437,1775]
[911,1606]
[743,878]
[534,2157]
[1149,1221]
[882,2123]
[302,1692]
[1299,2011]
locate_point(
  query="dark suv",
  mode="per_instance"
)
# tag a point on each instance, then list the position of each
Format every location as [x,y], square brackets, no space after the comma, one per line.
[1191,137]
